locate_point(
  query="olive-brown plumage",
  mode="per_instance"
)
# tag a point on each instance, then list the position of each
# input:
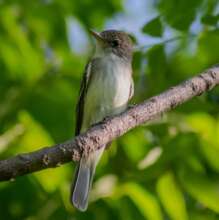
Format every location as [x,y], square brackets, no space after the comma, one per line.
[106,88]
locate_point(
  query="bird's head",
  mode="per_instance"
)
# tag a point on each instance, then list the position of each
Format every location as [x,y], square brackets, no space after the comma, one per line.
[113,41]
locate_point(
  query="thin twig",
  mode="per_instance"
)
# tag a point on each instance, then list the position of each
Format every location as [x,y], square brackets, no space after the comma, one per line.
[170,40]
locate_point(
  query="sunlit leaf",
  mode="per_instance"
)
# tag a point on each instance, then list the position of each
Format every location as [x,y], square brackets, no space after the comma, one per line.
[35,135]
[202,188]
[172,197]
[24,48]
[33,138]
[57,177]
[131,141]
[206,127]
[143,199]
[208,49]
[10,136]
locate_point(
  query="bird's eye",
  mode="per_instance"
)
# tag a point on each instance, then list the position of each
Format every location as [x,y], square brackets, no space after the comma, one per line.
[115,43]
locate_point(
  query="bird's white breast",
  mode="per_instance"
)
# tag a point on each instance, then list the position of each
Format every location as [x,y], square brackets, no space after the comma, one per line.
[109,90]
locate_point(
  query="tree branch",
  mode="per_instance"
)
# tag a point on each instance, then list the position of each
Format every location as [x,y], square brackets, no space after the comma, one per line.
[108,130]
[169,40]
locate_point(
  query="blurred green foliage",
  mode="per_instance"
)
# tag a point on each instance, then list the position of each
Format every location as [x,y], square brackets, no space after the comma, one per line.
[165,170]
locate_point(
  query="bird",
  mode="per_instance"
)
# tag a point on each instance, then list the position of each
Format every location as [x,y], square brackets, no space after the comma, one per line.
[106,88]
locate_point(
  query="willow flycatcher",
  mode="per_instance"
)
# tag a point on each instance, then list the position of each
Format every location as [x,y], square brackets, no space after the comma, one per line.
[106,88]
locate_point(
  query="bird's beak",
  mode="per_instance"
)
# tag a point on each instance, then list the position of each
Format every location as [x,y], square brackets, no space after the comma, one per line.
[97,36]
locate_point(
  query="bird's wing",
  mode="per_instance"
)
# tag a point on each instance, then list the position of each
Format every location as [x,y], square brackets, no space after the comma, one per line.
[83,91]
[80,104]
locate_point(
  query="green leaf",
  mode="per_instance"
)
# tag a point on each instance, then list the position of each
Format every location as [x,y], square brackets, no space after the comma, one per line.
[157,69]
[57,177]
[35,135]
[157,59]
[206,128]
[202,188]
[172,197]
[208,47]
[25,50]
[143,199]
[153,27]
[179,14]
[130,141]
[210,19]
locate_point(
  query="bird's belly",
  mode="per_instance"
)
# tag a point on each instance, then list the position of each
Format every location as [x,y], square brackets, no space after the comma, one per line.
[107,95]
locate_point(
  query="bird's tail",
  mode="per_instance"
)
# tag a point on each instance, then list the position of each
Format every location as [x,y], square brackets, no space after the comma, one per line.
[83,179]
